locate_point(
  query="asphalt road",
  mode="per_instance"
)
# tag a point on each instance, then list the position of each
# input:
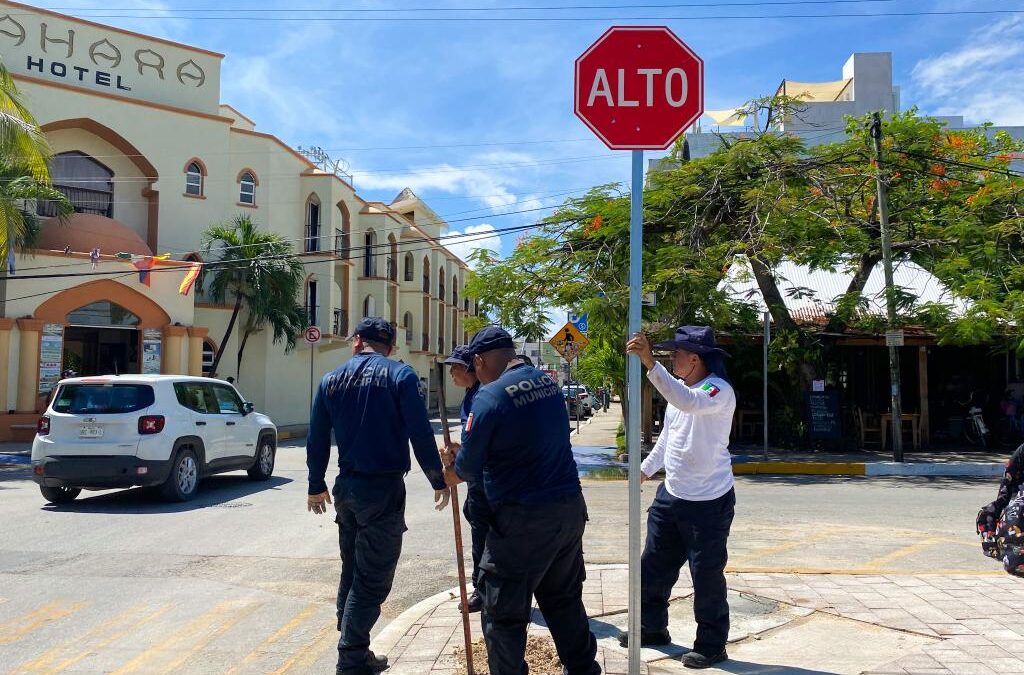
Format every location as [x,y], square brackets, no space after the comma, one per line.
[242,578]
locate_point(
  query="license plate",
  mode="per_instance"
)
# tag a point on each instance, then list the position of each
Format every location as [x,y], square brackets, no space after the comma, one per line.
[90,432]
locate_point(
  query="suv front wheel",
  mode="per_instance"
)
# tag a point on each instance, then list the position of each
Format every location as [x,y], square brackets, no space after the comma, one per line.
[183,482]
[263,467]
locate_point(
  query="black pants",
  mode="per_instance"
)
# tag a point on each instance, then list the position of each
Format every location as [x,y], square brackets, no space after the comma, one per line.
[478,515]
[371,521]
[679,531]
[536,551]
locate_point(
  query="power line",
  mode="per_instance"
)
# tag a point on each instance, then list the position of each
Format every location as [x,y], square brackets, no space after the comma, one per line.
[964,165]
[543,19]
[398,10]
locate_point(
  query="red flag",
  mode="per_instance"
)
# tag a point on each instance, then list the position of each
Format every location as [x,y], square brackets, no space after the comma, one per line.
[190,278]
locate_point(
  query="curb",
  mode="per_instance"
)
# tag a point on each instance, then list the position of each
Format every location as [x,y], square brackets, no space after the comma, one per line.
[400,625]
[949,469]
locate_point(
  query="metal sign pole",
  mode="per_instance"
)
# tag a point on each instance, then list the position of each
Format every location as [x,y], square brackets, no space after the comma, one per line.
[636,214]
[767,341]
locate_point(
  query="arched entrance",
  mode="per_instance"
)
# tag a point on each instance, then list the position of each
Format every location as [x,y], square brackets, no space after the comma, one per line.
[102,338]
[107,327]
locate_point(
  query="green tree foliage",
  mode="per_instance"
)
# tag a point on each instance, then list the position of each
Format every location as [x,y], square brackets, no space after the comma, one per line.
[256,269]
[766,198]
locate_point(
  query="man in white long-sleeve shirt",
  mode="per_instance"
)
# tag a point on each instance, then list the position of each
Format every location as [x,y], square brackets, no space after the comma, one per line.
[693,510]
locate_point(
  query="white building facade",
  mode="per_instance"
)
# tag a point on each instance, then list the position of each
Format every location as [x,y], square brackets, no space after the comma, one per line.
[150,158]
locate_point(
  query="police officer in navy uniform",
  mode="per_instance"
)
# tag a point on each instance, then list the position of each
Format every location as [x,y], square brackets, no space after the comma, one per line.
[476,510]
[374,408]
[516,440]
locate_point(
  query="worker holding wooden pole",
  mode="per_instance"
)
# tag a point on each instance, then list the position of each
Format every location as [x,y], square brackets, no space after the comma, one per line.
[516,441]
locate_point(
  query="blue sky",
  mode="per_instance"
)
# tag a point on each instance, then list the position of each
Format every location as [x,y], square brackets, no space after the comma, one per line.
[477,117]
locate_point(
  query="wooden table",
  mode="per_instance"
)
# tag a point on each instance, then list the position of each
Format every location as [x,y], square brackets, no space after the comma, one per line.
[915,428]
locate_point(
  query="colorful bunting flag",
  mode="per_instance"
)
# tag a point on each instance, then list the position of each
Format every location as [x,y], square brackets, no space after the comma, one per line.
[143,264]
[190,278]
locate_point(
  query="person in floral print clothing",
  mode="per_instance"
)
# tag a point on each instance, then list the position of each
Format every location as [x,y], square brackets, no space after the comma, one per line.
[1001,523]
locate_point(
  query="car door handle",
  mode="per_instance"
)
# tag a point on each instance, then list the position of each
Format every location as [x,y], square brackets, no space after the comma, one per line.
[200,424]
[231,424]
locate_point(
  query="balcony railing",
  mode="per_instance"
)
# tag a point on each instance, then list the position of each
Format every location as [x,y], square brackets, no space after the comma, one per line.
[340,324]
[83,200]
[342,245]
[312,238]
[313,314]
[408,335]
[426,342]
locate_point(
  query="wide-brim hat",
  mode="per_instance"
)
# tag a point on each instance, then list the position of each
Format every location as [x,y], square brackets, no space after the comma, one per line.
[693,339]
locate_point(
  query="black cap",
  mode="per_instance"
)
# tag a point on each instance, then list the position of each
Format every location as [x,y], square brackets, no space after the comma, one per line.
[488,339]
[693,339]
[461,356]
[375,329]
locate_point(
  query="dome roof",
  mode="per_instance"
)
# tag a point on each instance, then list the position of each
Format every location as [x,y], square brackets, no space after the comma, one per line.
[85,231]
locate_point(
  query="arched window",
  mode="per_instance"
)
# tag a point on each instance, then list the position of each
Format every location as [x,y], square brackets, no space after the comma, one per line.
[369,306]
[407,325]
[369,254]
[392,258]
[410,267]
[440,285]
[312,224]
[209,351]
[247,188]
[88,185]
[313,301]
[426,275]
[194,174]
[455,291]
[342,237]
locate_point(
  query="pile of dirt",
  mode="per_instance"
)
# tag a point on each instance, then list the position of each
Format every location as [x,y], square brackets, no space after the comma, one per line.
[541,657]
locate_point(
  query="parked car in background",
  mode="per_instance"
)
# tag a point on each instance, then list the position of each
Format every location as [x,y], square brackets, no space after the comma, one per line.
[580,393]
[166,431]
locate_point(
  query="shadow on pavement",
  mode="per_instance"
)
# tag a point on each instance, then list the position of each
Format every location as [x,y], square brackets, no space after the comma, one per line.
[748,668]
[213,492]
[951,482]
[14,473]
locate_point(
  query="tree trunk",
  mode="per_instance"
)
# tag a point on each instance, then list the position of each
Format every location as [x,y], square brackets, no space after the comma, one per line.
[773,299]
[838,323]
[241,350]
[227,333]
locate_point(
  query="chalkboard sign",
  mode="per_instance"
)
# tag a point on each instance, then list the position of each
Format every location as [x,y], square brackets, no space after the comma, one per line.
[823,415]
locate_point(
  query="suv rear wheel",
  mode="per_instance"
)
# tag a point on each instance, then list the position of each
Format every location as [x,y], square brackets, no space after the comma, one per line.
[183,483]
[263,467]
[59,495]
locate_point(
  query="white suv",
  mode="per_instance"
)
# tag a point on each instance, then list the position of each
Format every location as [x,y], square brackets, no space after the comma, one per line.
[149,430]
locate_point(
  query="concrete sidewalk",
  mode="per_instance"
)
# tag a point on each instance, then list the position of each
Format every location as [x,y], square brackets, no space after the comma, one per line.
[782,624]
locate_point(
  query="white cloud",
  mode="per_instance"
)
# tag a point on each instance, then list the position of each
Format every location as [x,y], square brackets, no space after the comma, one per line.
[980,79]
[472,240]
[491,187]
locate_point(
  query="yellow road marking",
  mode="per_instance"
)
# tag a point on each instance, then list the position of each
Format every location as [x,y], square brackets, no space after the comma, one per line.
[902,553]
[180,637]
[18,628]
[224,627]
[47,657]
[305,657]
[286,629]
[110,639]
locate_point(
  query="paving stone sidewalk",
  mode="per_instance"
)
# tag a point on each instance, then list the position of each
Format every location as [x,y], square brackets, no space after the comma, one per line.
[957,625]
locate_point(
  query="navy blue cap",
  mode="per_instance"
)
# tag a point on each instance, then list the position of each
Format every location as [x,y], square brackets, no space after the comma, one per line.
[693,339]
[376,329]
[461,356]
[488,339]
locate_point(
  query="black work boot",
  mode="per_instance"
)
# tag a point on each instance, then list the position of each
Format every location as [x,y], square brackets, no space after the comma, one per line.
[698,660]
[376,663]
[656,638]
[475,603]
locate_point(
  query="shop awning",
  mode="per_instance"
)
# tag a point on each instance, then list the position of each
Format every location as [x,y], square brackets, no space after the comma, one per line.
[814,92]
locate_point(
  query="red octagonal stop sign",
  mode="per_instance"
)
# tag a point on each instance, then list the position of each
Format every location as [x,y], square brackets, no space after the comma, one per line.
[639,87]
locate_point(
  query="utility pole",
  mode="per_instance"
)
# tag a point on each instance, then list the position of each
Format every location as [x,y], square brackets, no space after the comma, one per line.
[890,299]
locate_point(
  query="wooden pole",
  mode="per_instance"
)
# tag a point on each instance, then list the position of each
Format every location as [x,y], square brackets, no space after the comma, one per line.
[457,517]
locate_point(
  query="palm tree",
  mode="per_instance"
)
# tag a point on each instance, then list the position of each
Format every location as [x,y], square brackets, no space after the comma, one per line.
[24,171]
[257,269]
